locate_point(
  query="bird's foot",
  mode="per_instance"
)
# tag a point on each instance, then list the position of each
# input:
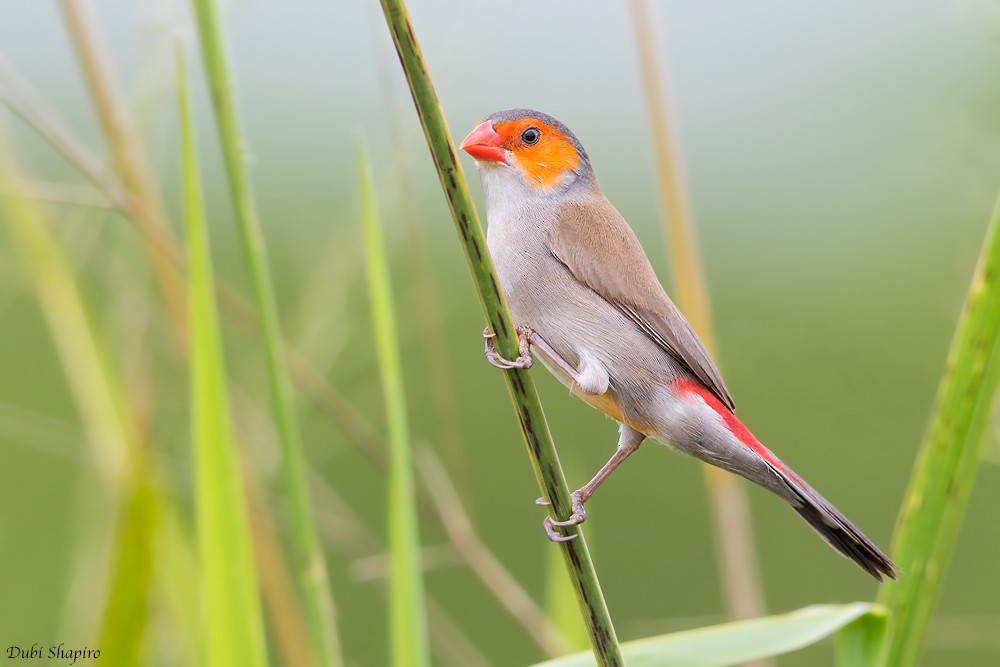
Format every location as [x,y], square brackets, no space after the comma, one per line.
[578,516]
[523,360]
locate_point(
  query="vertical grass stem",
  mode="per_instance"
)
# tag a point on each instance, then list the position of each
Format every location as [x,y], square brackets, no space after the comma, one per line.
[520,385]
[310,567]
[407,624]
[233,632]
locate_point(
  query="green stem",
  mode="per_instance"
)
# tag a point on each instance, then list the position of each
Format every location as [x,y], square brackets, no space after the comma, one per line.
[946,465]
[234,628]
[310,567]
[520,385]
[407,623]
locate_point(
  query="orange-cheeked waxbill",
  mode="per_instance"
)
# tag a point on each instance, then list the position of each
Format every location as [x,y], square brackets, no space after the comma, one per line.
[588,304]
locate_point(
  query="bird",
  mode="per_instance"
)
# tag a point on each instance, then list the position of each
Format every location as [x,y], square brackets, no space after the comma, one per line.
[587,303]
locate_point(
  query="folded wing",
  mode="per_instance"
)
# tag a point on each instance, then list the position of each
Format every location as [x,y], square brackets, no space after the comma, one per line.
[600,250]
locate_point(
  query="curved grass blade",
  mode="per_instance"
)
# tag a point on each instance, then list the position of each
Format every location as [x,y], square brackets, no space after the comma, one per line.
[733,643]
[945,469]
[309,564]
[407,617]
[233,629]
[520,386]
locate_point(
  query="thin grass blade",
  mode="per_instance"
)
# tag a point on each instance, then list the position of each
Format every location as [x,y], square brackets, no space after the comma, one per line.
[309,564]
[537,438]
[96,388]
[126,618]
[407,617]
[178,584]
[489,570]
[946,466]
[123,142]
[233,628]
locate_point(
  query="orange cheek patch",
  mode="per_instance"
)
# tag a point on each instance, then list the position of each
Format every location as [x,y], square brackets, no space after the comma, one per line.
[544,163]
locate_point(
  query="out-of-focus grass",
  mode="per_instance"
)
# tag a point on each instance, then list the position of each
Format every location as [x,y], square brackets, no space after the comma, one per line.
[127,150]
[233,633]
[115,440]
[125,624]
[310,563]
[96,387]
[96,390]
[842,322]
[733,527]
[407,618]
[546,631]
[177,581]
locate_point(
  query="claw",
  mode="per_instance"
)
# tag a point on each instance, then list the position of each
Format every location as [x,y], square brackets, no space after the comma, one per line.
[542,502]
[578,516]
[551,533]
[523,360]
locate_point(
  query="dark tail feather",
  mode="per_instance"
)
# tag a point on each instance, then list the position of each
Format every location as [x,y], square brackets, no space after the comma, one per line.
[834,527]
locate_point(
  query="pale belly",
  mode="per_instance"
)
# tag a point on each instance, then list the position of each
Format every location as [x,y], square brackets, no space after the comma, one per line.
[578,323]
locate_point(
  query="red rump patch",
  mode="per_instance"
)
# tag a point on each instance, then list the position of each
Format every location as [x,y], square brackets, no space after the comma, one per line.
[734,425]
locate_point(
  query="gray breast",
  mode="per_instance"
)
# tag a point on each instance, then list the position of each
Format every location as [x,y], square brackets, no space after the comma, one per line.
[543,295]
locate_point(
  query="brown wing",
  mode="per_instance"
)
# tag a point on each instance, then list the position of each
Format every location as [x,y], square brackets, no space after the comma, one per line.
[598,247]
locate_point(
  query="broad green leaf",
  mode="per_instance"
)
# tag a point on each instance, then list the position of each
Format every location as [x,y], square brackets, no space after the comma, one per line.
[859,642]
[946,466]
[732,643]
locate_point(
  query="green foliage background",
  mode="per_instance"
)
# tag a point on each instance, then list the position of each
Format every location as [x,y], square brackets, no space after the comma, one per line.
[843,161]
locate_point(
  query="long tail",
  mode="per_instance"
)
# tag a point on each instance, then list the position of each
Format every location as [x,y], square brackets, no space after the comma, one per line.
[834,527]
[737,450]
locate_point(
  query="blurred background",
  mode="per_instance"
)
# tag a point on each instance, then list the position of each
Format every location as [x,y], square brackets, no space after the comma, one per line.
[842,161]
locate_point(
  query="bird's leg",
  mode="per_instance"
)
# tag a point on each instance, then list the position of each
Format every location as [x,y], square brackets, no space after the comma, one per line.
[628,441]
[526,337]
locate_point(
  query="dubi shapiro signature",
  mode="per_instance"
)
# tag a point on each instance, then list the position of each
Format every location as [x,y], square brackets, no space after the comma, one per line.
[52,652]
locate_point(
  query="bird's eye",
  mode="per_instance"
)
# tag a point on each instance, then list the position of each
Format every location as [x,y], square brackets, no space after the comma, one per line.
[531,136]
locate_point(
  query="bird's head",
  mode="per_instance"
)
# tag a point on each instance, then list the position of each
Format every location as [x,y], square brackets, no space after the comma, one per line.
[530,149]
